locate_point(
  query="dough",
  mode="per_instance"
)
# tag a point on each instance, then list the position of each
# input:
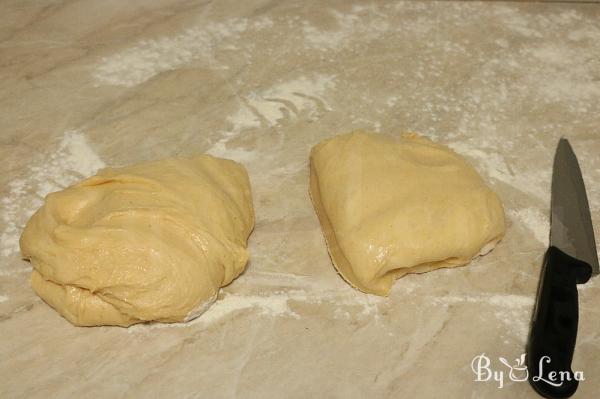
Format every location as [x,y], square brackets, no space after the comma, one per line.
[390,206]
[148,242]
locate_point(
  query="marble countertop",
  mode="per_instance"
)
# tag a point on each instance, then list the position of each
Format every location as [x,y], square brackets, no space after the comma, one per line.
[89,84]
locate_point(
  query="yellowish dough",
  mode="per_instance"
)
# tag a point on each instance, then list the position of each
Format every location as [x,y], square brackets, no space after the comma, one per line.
[391,206]
[148,242]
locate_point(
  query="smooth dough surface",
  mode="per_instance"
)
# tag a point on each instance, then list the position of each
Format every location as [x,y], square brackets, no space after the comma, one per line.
[391,206]
[147,242]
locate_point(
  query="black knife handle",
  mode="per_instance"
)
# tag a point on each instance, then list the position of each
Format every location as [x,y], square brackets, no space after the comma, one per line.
[554,325]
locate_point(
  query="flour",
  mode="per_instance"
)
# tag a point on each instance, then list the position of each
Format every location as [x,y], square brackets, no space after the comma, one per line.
[514,20]
[220,149]
[244,118]
[391,101]
[534,220]
[493,164]
[273,106]
[358,123]
[72,160]
[274,304]
[578,85]
[349,27]
[586,33]
[508,300]
[515,320]
[148,58]
[286,100]
[3,298]
[513,311]
[531,181]
[277,304]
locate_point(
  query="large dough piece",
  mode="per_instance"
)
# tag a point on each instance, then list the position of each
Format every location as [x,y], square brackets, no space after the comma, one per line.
[390,206]
[148,242]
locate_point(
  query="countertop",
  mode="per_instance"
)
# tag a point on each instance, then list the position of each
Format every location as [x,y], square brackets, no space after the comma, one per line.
[87,84]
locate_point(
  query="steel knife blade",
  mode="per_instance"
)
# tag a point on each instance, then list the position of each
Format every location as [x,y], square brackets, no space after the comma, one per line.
[571,228]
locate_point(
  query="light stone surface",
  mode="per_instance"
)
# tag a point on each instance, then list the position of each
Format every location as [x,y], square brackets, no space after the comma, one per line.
[87,84]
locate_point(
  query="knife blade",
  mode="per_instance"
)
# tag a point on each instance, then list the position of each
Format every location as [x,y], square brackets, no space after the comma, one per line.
[571,259]
[571,227]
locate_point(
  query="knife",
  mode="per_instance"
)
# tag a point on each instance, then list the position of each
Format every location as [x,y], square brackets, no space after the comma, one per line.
[570,260]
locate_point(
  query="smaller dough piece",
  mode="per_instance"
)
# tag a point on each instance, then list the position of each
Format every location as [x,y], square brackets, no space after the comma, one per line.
[148,242]
[391,206]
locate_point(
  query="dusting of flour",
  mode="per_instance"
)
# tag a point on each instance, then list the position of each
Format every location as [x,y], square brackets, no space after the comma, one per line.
[348,27]
[274,304]
[286,101]
[149,57]
[535,221]
[72,160]
[513,311]
[277,303]
[534,182]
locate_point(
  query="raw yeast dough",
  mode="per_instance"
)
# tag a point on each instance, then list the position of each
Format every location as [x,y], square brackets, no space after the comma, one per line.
[148,242]
[391,206]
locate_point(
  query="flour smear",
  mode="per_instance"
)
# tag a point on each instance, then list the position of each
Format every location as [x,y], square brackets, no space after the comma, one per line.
[534,220]
[150,57]
[277,304]
[348,27]
[534,181]
[286,101]
[513,311]
[72,160]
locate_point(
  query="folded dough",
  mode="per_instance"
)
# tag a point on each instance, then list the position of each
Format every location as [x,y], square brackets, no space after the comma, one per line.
[390,206]
[148,242]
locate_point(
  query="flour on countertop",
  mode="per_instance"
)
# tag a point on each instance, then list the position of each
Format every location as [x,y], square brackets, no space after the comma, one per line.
[514,20]
[507,300]
[535,182]
[277,303]
[349,27]
[220,149]
[515,320]
[3,298]
[554,85]
[513,311]
[72,160]
[149,57]
[535,221]
[273,304]
[286,101]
